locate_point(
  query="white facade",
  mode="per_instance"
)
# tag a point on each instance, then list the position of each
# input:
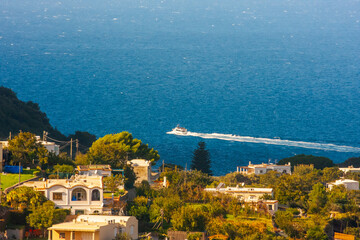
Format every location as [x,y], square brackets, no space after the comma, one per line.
[348,184]
[264,168]
[81,194]
[350,169]
[251,196]
[244,194]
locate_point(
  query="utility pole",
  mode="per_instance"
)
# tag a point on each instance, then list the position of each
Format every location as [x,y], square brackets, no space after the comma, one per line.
[163,167]
[9,135]
[71,149]
[77,147]
[45,133]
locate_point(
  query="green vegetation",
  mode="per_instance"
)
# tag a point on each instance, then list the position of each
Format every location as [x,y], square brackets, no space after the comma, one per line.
[318,162]
[115,149]
[201,159]
[26,150]
[16,115]
[7,180]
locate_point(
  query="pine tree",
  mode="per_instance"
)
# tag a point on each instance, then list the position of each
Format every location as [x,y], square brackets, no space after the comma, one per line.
[201,159]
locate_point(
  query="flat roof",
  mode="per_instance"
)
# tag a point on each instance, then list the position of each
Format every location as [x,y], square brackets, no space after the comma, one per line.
[78,226]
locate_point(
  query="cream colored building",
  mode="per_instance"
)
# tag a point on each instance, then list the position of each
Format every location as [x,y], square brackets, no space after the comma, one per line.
[264,168]
[80,194]
[95,227]
[348,184]
[142,169]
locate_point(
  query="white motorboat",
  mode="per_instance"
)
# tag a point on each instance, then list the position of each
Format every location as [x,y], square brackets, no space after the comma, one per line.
[179,130]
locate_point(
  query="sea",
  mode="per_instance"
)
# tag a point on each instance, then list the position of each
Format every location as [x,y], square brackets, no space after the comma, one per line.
[256,80]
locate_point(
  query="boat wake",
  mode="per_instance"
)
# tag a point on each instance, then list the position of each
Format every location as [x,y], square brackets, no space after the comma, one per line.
[276,141]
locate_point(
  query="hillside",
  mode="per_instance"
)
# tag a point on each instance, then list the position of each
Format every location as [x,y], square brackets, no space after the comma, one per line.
[16,115]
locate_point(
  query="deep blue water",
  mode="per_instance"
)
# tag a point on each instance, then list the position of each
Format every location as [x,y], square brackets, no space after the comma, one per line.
[287,69]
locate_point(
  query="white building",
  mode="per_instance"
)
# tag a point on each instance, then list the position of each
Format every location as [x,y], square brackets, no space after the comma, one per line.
[95,170]
[350,169]
[348,184]
[264,168]
[249,195]
[80,194]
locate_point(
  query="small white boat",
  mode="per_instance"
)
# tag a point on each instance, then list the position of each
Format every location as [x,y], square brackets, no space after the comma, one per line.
[179,130]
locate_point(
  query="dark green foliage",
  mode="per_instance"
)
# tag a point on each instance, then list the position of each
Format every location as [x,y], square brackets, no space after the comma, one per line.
[130,177]
[86,139]
[145,190]
[139,208]
[354,161]
[201,159]
[318,162]
[16,218]
[16,115]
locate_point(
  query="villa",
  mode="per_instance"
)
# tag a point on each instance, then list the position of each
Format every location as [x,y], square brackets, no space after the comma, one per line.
[80,194]
[264,168]
[95,227]
[249,196]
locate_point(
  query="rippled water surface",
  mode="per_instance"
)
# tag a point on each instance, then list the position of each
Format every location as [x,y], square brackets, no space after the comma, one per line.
[286,70]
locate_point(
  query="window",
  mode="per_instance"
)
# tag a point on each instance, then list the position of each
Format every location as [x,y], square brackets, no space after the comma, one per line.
[131,229]
[57,196]
[61,235]
[79,212]
[95,195]
[270,207]
[284,171]
[78,194]
[261,171]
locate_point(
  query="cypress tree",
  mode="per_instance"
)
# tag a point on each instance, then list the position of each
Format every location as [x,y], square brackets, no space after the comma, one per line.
[201,159]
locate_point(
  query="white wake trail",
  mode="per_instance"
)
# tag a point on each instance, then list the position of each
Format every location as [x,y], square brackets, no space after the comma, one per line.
[289,143]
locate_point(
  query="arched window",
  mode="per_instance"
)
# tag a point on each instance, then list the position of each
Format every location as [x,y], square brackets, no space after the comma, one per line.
[78,194]
[95,195]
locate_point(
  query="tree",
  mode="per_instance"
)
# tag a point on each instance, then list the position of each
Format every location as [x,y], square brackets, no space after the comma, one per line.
[115,149]
[130,177]
[187,218]
[46,215]
[318,162]
[112,183]
[25,149]
[331,174]
[25,197]
[317,198]
[139,208]
[201,159]
[164,207]
[354,161]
